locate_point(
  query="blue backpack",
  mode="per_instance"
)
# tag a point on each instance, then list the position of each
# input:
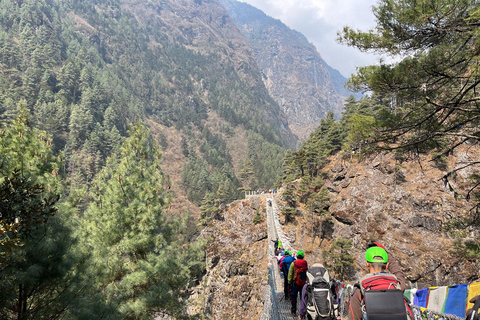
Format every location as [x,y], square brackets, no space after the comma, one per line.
[286,262]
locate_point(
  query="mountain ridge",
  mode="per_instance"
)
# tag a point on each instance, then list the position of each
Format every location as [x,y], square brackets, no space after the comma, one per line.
[293,70]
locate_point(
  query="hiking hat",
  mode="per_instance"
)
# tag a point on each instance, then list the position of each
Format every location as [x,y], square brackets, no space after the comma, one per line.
[286,253]
[300,254]
[373,252]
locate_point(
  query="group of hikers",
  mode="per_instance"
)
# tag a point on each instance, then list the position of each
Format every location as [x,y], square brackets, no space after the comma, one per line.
[377,296]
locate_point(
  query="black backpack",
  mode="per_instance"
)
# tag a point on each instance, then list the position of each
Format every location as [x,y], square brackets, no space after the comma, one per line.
[382,298]
[320,300]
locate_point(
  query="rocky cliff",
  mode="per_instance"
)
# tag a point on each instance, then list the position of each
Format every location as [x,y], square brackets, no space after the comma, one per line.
[293,71]
[235,284]
[406,204]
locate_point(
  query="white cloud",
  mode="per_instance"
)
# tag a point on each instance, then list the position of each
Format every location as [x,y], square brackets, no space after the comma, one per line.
[320,20]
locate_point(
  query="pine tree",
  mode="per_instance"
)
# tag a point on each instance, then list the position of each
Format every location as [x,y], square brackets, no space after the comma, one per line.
[433,88]
[338,258]
[33,276]
[208,208]
[137,261]
[247,175]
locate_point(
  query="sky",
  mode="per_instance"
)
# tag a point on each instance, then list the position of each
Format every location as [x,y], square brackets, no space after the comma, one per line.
[320,20]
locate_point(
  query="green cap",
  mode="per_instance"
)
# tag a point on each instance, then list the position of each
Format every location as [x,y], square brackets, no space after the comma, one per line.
[376,252]
[300,253]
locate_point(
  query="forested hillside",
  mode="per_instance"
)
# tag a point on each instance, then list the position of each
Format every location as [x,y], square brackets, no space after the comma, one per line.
[92,93]
[85,71]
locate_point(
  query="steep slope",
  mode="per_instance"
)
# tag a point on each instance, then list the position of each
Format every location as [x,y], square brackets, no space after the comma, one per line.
[204,27]
[404,204]
[236,279]
[293,71]
[86,70]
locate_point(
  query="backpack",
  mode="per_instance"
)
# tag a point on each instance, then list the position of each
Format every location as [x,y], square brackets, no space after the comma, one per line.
[286,262]
[301,268]
[382,298]
[320,300]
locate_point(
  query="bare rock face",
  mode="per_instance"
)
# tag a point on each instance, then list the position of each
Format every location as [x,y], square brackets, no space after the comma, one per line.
[235,284]
[405,205]
[294,73]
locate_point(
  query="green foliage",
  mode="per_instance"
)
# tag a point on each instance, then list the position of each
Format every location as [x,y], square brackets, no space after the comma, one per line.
[289,195]
[433,90]
[199,178]
[85,88]
[325,141]
[133,246]
[361,130]
[85,70]
[30,152]
[290,213]
[35,280]
[246,174]
[209,208]
[22,208]
[434,87]
[266,158]
[466,250]
[339,260]
[257,218]
[319,202]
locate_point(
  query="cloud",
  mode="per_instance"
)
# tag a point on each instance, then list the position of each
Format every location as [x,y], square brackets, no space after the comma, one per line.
[320,20]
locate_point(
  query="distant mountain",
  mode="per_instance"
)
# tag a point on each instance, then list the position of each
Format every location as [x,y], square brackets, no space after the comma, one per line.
[293,71]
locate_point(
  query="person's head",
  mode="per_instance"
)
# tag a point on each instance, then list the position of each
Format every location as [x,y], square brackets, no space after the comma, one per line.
[286,253]
[300,254]
[377,259]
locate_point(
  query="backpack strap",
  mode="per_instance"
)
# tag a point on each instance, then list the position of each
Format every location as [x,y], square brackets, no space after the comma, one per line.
[371,278]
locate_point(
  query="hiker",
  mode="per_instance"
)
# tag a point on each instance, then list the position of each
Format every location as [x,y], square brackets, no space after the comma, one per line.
[378,292]
[334,286]
[317,298]
[297,278]
[279,260]
[275,243]
[285,263]
[393,265]
[278,246]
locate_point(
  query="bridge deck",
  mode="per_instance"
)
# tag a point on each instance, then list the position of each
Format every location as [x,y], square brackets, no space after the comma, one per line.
[283,306]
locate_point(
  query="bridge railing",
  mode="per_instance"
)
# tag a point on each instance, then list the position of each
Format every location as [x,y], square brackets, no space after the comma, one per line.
[270,306]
